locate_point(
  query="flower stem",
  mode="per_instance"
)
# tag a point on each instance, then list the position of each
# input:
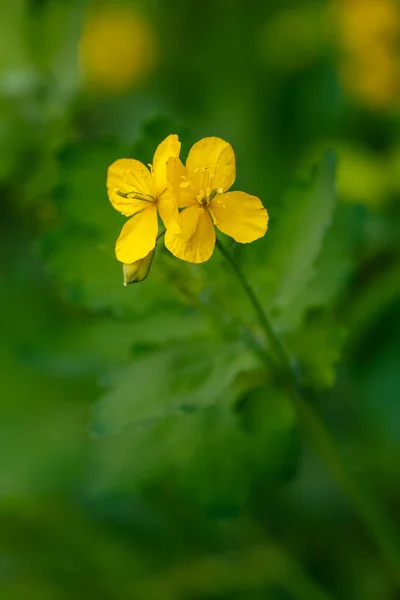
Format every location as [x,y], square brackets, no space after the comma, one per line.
[160,235]
[326,447]
[262,316]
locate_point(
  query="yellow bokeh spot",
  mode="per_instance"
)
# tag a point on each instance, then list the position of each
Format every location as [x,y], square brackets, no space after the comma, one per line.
[118,49]
[362,177]
[368,32]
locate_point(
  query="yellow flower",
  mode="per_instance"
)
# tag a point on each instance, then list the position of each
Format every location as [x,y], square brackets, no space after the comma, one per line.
[137,192]
[201,189]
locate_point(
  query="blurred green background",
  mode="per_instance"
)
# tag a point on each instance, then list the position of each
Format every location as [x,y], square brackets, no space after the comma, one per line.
[146,452]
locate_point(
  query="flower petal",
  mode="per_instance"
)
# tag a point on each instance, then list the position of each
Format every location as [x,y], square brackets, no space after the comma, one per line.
[184,191]
[196,242]
[240,215]
[128,176]
[211,164]
[171,146]
[138,236]
[168,211]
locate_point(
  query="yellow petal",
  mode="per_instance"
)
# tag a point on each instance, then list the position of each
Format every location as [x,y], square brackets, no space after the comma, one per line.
[211,164]
[183,189]
[197,240]
[171,146]
[127,176]
[138,236]
[240,215]
[168,211]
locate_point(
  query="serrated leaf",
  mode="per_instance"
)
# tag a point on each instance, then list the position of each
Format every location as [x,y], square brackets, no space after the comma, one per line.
[295,236]
[214,454]
[317,346]
[97,343]
[88,274]
[80,253]
[331,272]
[181,378]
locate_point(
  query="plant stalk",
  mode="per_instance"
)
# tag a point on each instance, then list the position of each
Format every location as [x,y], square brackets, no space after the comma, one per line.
[376,522]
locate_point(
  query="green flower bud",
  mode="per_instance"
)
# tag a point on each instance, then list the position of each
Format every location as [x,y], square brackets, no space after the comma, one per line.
[138,271]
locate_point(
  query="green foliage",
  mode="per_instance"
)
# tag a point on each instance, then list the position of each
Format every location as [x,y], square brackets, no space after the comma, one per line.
[177,378]
[295,241]
[80,250]
[318,345]
[150,448]
[214,454]
[269,420]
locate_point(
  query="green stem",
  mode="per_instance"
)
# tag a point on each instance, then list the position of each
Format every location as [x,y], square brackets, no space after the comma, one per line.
[262,317]
[160,235]
[375,521]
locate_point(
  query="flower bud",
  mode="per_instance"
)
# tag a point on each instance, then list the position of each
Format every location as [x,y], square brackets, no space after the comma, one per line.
[138,271]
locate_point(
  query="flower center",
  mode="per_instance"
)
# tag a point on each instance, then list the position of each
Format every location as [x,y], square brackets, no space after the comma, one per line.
[205,196]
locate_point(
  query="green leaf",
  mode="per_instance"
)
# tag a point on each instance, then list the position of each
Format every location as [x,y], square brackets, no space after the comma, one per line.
[80,251]
[317,346]
[294,240]
[214,455]
[88,274]
[94,344]
[178,378]
[331,272]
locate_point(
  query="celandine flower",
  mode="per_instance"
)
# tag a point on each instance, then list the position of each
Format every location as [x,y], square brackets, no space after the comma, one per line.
[201,189]
[137,192]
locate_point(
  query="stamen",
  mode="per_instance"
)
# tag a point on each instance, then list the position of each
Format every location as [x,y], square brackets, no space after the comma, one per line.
[134,196]
[119,193]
